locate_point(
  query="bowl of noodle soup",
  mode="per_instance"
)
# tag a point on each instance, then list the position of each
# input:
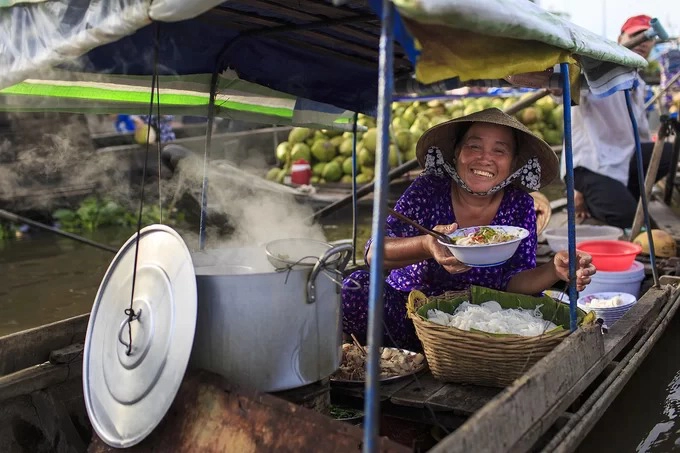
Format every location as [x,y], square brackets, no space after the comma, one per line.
[485,246]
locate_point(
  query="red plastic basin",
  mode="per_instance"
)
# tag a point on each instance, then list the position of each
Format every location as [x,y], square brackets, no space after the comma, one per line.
[611,256]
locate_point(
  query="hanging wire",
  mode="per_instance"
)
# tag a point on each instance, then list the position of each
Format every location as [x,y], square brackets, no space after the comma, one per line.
[158,120]
[130,312]
[206,157]
[641,183]
[354,188]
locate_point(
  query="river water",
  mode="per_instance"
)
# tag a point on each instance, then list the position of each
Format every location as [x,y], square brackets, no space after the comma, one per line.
[46,278]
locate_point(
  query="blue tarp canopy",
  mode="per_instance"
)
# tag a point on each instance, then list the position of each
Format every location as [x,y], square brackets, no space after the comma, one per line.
[306,48]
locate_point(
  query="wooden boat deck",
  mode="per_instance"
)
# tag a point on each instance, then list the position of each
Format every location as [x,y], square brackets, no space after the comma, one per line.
[544,398]
[37,365]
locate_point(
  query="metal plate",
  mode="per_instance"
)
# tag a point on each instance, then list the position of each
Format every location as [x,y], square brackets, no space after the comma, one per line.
[418,369]
[126,396]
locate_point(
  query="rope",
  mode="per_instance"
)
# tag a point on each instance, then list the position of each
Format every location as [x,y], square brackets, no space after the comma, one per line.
[130,312]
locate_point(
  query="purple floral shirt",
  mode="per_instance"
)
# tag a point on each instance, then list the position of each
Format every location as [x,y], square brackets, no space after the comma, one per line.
[428,201]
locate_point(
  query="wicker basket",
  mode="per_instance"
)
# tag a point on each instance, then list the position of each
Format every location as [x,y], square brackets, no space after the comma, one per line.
[479,358]
[543,211]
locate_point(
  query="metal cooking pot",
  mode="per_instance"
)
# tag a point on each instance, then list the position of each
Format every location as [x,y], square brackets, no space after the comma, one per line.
[265,329]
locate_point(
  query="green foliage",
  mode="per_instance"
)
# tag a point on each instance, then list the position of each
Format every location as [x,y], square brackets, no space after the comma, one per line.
[94,213]
[6,230]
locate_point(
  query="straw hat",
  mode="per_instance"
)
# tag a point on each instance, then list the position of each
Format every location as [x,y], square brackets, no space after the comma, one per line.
[444,137]
[543,211]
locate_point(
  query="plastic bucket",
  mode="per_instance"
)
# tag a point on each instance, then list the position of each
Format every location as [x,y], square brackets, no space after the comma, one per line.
[628,281]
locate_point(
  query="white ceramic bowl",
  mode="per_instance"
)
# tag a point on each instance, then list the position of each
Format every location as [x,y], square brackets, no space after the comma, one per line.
[295,253]
[627,299]
[486,255]
[558,240]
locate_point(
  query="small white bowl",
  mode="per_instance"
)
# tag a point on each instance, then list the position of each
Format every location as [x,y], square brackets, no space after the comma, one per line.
[558,238]
[628,301]
[486,255]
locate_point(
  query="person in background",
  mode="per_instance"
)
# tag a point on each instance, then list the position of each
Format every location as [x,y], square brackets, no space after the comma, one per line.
[605,166]
[478,170]
[131,123]
[163,128]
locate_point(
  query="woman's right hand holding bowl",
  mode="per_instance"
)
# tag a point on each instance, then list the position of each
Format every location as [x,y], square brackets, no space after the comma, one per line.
[441,253]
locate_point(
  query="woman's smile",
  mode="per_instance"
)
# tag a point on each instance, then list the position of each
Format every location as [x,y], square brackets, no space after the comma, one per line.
[485,156]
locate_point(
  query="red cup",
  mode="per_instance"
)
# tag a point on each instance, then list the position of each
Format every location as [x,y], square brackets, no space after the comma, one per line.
[300,172]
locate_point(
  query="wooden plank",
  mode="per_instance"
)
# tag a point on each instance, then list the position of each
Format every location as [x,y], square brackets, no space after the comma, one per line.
[556,399]
[33,346]
[614,341]
[386,390]
[38,377]
[416,393]
[529,398]
[665,218]
[625,329]
[571,435]
[462,399]
[208,415]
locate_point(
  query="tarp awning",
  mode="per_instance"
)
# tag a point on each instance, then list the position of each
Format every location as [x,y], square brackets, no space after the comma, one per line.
[310,49]
[180,95]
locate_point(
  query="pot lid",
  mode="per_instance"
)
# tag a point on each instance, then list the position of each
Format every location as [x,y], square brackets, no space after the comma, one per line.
[128,389]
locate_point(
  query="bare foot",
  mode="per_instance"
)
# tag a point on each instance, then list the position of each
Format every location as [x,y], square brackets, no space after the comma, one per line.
[580,208]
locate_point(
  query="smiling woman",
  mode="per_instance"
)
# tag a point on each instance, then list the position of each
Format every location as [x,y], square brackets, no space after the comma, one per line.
[478,170]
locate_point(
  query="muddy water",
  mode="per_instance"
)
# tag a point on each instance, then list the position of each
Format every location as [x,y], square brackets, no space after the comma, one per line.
[46,278]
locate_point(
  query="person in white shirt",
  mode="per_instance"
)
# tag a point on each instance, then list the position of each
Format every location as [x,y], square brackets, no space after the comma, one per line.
[605,167]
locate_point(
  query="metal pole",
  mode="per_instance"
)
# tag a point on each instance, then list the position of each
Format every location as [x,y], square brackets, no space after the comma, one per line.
[641,184]
[375,301]
[662,91]
[650,177]
[571,212]
[19,219]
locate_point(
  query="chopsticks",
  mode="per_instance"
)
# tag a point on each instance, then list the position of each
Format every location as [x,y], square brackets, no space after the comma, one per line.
[358,345]
[440,236]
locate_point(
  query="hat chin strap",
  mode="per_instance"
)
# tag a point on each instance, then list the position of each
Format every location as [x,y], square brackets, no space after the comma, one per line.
[529,173]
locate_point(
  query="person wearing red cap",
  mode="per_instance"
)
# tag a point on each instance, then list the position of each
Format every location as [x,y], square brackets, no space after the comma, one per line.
[605,166]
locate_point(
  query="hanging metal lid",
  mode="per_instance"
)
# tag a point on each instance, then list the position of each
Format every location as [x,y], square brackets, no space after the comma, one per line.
[130,385]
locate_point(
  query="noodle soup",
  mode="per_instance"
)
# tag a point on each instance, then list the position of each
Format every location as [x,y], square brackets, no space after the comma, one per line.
[486,246]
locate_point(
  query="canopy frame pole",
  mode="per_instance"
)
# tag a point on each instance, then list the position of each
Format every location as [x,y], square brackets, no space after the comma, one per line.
[641,183]
[571,211]
[375,302]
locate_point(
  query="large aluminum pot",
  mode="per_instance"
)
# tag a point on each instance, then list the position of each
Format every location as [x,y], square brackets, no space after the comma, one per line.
[264,329]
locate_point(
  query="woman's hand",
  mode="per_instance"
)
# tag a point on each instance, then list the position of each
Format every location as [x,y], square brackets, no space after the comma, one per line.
[441,253]
[584,268]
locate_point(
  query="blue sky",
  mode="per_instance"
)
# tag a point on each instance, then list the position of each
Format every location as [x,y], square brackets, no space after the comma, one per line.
[589,13]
